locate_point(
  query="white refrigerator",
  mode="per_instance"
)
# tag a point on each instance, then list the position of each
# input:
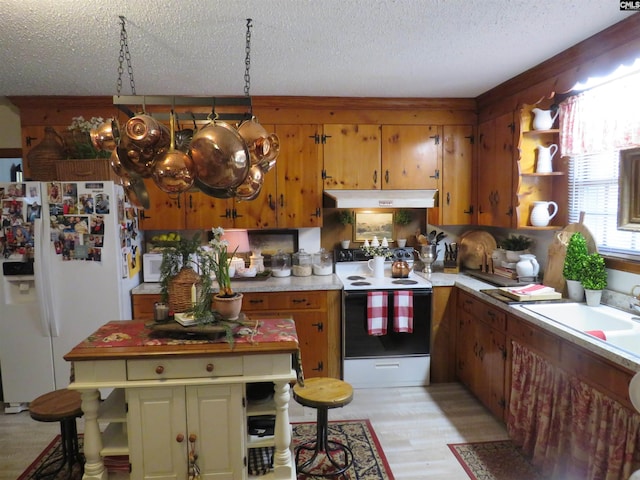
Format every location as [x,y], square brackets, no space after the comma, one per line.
[70,256]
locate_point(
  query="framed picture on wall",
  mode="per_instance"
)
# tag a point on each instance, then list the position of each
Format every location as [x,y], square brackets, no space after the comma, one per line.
[369,225]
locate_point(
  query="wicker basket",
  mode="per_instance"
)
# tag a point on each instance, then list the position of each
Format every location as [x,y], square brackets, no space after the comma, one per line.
[180,289]
[42,158]
[84,170]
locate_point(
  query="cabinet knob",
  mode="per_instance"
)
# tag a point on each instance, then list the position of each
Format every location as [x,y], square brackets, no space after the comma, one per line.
[180,438]
[159,369]
[192,437]
[209,367]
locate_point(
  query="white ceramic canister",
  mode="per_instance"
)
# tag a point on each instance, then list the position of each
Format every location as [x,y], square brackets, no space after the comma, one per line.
[540,216]
[545,158]
[527,266]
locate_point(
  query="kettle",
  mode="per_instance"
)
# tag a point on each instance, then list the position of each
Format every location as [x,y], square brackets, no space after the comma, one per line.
[400,269]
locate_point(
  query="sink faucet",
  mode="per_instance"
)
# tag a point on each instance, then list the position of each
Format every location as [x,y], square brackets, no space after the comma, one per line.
[634,304]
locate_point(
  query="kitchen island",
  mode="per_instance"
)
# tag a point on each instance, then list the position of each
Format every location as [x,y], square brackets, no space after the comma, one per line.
[179,403]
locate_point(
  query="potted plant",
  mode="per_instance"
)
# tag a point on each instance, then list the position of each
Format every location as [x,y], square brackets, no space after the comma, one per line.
[226,302]
[515,245]
[403,217]
[594,278]
[574,263]
[345,217]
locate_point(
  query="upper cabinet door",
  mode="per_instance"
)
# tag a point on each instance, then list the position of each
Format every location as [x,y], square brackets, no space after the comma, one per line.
[299,184]
[165,212]
[456,202]
[411,156]
[352,157]
[495,172]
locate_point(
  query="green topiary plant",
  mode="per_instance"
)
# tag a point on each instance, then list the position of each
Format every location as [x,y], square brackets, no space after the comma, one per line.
[403,217]
[345,217]
[575,259]
[594,273]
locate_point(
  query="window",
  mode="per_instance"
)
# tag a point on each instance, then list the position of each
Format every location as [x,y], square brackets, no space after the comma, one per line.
[595,126]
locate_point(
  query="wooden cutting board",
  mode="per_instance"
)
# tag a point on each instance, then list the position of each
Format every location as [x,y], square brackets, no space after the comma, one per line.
[558,249]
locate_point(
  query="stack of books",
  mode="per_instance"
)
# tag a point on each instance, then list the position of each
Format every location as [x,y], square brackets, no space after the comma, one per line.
[505,272]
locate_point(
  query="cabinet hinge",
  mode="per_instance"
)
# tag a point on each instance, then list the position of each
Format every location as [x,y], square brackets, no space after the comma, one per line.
[126,407]
[502,403]
[244,402]
[129,467]
[436,174]
[324,138]
[244,460]
[436,138]
[471,138]
[316,138]
[470,211]
[319,368]
[512,127]
[29,139]
[319,326]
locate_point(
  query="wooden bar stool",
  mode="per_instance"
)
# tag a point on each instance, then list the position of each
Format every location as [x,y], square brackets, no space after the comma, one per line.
[323,394]
[62,406]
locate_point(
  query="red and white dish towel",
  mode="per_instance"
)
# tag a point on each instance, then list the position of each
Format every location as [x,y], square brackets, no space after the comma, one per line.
[377,313]
[403,311]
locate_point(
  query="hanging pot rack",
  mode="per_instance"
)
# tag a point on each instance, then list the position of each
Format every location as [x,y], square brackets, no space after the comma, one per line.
[124,102]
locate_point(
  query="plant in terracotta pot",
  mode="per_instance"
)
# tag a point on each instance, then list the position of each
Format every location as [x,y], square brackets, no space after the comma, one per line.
[226,302]
[594,278]
[574,264]
[515,245]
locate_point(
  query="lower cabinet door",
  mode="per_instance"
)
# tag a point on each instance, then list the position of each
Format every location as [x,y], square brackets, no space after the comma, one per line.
[169,424]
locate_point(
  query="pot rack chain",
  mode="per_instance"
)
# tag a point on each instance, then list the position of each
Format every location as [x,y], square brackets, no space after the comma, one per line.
[124,55]
[247,60]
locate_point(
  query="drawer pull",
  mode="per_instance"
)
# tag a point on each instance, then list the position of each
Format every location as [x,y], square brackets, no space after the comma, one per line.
[299,300]
[209,367]
[180,438]
[159,369]
[255,301]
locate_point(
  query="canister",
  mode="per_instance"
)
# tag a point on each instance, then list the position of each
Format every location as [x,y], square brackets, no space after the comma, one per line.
[301,264]
[281,264]
[322,263]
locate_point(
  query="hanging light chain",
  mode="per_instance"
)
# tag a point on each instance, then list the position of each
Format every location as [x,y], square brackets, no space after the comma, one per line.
[125,55]
[247,60]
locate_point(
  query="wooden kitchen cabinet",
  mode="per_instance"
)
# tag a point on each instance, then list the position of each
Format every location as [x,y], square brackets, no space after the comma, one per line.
[373,157]
[532,186]
[443,335]
[299,176]
[495,172]
[481,351]
[352,157]
[455,188]
[199,418]
[411,156]
[317,317]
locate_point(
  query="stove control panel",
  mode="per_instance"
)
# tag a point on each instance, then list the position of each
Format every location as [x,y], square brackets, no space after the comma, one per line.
[358,255]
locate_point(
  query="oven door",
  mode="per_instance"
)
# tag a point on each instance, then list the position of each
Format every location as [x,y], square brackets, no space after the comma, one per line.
[359,344]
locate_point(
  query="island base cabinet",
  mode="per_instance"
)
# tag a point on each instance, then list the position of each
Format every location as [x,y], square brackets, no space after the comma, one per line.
[168,425]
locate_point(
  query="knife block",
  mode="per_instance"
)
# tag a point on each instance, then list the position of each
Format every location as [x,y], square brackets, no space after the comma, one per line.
[451,266]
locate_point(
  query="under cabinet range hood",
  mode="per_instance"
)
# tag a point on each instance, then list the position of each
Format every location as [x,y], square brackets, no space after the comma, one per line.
[379,198]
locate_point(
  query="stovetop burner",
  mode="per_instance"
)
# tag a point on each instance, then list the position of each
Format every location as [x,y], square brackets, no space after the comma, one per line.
[355,277]
[360,283]
[404,281]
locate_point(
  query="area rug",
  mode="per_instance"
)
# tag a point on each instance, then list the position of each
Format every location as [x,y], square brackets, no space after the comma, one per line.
[499,460]
[369,460]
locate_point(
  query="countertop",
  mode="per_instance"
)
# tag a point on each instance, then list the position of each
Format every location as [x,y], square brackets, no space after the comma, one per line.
[271,284]
[438,279]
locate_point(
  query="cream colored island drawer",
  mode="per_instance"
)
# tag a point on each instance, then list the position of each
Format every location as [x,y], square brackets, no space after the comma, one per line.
[197,367]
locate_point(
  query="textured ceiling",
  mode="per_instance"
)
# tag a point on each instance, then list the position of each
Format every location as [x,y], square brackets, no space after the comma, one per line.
[354,48]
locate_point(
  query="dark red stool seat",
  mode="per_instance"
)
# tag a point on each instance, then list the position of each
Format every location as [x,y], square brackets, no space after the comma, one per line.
[62,406]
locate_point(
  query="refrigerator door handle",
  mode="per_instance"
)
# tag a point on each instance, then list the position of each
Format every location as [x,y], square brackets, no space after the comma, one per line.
[49,327]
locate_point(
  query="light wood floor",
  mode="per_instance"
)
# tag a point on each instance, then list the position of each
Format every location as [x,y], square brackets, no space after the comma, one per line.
[413,424]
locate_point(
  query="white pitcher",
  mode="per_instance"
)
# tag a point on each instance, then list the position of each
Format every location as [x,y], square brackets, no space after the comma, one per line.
[540,216]
[376,265]
[545,158]
[542,119]
[527,266]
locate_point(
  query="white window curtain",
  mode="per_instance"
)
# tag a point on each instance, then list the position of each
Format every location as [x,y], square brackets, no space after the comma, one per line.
[594,126]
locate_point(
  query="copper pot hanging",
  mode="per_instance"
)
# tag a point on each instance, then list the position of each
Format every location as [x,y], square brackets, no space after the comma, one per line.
[250,188]
[105,136]
[221,156]
[174,171]
[261,144]
[136,191]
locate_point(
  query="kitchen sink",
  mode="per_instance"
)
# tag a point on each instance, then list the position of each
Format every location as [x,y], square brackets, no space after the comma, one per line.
[614,327]
[584,318]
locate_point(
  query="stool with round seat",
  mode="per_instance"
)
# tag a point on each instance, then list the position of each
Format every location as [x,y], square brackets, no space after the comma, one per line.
[323,394]
[62,406]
